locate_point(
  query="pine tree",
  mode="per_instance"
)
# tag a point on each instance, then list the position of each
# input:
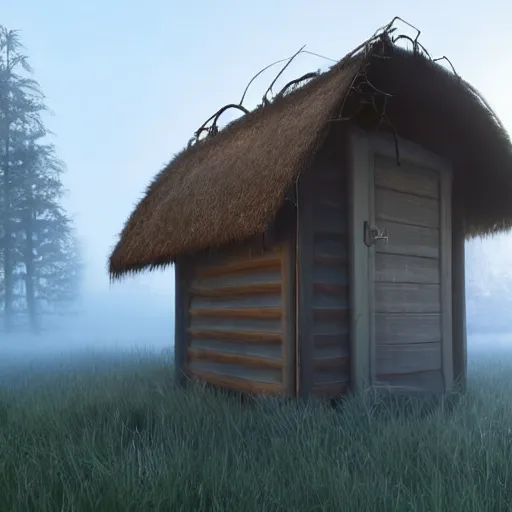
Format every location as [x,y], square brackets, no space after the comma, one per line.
[21,103]
[48,258]
[39,257]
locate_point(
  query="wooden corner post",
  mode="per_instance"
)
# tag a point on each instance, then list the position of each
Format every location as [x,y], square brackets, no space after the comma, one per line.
[359,195]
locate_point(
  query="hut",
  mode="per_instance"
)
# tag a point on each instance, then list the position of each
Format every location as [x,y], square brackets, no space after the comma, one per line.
[318,241]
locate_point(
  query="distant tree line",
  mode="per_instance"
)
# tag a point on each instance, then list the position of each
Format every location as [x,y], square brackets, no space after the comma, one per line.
[40,264]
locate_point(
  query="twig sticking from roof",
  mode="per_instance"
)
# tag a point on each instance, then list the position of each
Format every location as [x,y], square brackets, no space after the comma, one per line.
[320,56]
[213,129]
[257,75]
[290,60]
[415,44]
[444,57]
[279,62]
[295,82]
[389,29]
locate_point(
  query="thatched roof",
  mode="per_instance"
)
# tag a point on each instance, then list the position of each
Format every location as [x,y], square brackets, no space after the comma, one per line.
[230,186]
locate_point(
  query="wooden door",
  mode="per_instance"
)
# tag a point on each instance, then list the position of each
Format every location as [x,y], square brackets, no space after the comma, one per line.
[405,246]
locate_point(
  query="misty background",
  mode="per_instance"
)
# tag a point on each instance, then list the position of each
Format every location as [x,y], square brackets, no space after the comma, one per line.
[128,83]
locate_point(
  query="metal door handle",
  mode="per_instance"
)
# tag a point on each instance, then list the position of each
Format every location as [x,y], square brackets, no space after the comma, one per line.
[373,233]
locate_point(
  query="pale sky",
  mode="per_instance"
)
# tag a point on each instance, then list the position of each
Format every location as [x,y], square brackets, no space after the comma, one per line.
[130,81]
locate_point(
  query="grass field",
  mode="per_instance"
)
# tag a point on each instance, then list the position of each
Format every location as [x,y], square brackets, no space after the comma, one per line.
[115,435]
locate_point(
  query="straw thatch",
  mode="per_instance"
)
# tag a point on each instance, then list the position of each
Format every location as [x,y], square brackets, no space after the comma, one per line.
[230,186]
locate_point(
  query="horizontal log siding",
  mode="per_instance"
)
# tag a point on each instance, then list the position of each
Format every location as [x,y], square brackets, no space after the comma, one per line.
[236,333]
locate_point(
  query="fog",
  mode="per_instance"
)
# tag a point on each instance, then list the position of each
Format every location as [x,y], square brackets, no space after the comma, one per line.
[127,92]
[116,320]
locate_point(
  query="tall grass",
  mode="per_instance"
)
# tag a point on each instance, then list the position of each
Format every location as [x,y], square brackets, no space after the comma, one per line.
[120,437]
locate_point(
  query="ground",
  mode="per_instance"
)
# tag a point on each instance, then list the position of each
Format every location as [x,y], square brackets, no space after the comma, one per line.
[114,434]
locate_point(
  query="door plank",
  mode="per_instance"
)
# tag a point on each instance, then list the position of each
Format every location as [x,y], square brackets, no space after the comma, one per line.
[409,240]
[405,208]
[407,298]
[408,358]
[407,328]
[429,382]
[406,269]
[406,178]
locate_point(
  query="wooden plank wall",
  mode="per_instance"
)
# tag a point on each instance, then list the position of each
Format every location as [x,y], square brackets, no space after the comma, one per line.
[407,298]
[323,278]
[239,308]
